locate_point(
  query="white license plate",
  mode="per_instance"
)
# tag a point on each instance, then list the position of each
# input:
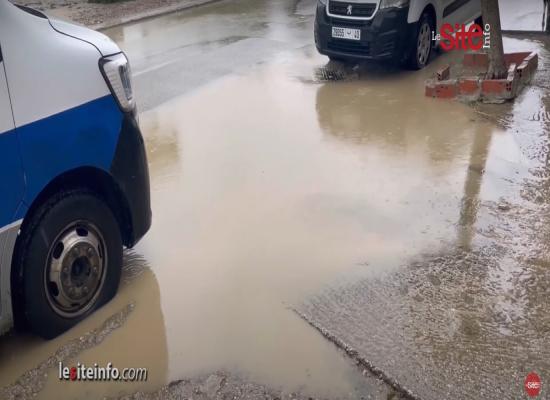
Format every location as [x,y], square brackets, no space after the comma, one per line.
[346,33]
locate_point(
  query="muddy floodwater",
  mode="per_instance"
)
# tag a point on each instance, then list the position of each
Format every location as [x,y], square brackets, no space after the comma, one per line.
[413,229]
[293,183]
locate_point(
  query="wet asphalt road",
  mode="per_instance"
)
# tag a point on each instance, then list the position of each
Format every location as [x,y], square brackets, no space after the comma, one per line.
[413,230]
[209,42]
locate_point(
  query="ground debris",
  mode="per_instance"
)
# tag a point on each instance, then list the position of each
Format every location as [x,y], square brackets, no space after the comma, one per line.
[104,14]
[219,385]
[32,382]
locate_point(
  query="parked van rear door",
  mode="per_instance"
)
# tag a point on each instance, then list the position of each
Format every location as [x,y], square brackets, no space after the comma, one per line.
[11,171]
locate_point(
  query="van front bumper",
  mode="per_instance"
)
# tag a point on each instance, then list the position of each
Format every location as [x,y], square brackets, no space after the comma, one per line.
[131,171]
[385,37]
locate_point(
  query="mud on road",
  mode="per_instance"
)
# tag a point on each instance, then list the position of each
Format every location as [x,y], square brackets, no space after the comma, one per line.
[100,15]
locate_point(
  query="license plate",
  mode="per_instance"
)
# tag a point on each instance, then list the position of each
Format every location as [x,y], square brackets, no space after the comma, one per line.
[346,33]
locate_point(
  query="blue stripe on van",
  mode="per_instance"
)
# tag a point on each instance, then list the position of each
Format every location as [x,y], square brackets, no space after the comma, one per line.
[86,135]
[11,178]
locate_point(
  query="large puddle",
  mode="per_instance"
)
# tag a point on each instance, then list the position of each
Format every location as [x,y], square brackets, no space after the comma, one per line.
[268,186]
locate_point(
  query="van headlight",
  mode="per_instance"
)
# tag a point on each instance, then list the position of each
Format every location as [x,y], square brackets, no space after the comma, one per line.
[117,74]
[394,3]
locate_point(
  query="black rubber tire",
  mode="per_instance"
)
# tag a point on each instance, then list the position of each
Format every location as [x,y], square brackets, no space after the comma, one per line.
[48,222]
[412,61]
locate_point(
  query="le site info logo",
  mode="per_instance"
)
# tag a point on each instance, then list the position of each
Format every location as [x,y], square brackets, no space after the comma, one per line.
[461,37]
[533,384]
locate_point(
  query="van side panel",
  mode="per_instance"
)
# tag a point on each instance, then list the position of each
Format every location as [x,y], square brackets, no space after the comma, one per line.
[11,176]
[11,193]
[12,186]
[48,72]
[8,236]
[11,171]
[64,113]
[474,10]
[85,136]
[417,7]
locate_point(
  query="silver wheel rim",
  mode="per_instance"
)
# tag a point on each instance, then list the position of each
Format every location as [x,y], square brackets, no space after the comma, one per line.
[75,269]
[424,44]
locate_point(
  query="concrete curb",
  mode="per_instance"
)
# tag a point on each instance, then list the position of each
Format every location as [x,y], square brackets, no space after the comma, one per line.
[151,14]
[355,356]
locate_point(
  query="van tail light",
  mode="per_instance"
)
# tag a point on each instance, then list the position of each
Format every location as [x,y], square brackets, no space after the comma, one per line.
[117,74]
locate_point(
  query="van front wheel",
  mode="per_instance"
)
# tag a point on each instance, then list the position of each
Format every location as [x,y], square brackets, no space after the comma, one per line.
[71,260]
[420,49]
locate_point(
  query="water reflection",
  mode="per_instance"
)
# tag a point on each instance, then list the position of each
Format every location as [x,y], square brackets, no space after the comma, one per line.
[472,187]
[128,332]
[392,115]
[163,148]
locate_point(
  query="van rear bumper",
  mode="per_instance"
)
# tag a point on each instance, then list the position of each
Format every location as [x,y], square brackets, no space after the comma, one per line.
[385,37]
[131,171]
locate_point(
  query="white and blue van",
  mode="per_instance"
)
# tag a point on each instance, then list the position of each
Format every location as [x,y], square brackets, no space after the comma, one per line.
[74,180]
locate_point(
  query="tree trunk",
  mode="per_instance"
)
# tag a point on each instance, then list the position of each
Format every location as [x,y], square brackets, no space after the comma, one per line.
[491,16]
[546,22]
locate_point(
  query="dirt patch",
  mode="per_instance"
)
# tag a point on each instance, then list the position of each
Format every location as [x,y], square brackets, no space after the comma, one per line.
[220,385]
[103,15]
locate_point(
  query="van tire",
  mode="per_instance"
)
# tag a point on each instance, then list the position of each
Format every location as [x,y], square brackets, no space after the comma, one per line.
[75,233]
[420,48]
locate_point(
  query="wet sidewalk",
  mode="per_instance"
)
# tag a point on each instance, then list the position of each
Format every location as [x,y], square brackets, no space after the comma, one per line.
[468,316]
[523,15]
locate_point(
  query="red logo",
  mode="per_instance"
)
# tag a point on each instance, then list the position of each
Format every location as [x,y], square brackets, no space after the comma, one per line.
[459,37]
[533,384]
[73,374]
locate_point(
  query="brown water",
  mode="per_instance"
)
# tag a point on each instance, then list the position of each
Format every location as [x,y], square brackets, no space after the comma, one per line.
[266,188]
[128,332]
[268,185]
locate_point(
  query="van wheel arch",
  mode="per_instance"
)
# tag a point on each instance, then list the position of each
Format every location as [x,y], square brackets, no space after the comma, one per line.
[416,14]
[430,10]
[410,59]
[88,178]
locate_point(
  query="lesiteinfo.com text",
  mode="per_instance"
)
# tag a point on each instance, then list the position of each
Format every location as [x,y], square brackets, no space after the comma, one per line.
[81,372]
